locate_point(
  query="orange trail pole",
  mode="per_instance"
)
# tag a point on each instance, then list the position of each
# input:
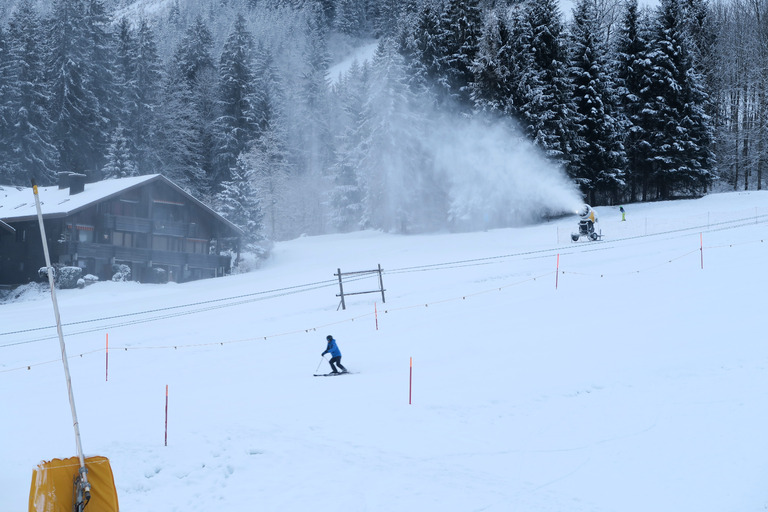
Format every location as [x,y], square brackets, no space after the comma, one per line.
[557,270]
[107,363]
[166,415]
[376,315]
[701,248]
[410,384]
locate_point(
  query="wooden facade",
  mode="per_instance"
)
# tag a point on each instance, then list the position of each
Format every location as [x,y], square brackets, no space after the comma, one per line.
[147,223]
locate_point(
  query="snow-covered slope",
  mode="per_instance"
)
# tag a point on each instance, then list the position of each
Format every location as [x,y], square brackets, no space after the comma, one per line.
[633,380]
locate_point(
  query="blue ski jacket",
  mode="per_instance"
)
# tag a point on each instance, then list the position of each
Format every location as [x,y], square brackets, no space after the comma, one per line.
[333,349]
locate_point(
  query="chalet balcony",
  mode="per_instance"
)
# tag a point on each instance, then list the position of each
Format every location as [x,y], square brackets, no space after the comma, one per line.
[127,224]
[170,228]
[141,225]
[138,255]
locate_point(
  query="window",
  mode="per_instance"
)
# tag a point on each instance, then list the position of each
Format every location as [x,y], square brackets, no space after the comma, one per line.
[197,246]
[84,233]
[167,243]
[123,239]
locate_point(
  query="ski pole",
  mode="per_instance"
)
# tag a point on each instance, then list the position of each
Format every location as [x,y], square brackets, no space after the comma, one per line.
[318,364]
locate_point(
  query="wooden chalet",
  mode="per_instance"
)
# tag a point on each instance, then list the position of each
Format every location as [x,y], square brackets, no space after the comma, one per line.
[146,222]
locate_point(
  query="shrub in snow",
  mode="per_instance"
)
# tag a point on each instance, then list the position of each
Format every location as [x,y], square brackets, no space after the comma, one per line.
[68,277]
[90,279]
[81,283]
[121,273]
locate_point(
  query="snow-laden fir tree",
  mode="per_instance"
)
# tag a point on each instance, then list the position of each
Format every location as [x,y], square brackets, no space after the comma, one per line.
[179,141]
[146,83]
[632,71]
[597,160]
[402,192]
[346,197]
[237,201]
[350,17]
[120,161]
[422,58]
[267,159]
[101,73]
[547,113]
[5,110]
[193,61]
[460,26]
[680,137]
[494,80]
[311,138]
[78,117]
[31,153]
[236,126]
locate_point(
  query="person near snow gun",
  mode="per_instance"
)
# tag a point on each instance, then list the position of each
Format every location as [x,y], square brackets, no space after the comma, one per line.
[586,224]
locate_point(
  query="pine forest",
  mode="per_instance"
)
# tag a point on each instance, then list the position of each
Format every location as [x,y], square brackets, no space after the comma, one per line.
[240,102]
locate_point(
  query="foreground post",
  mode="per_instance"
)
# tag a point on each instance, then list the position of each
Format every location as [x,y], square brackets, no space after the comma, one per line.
[86,488]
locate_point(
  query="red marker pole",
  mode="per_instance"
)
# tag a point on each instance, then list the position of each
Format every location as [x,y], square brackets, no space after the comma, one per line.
[557,271]
[166,415]
[107,363]
[410,383]
[376,315]
[701,245]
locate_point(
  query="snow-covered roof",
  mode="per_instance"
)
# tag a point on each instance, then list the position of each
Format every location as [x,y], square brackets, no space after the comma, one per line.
[18,203]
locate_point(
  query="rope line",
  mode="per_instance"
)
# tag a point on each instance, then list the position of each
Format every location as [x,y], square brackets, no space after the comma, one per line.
[259,296]
[352,319]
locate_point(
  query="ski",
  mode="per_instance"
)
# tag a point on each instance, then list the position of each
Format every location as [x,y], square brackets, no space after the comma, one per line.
[331,374]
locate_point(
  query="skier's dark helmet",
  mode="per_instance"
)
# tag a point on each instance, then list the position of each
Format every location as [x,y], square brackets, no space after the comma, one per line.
[329,337]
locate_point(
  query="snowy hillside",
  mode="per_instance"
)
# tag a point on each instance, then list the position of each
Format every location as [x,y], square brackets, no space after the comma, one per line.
[633,380]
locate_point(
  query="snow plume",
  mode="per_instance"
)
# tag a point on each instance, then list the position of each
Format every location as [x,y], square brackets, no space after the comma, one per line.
[496,177]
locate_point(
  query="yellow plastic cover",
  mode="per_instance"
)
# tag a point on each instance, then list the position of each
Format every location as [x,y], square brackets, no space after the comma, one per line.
[52,487]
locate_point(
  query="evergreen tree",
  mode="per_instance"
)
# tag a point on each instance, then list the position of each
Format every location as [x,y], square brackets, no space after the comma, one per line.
[547,112]
[101,75]
[401,192]
[632,69]
[460,26]
[238,203]
[193,53]
[235,127]
[597,161]
[179,141]
[423,60]
[6,176]
[78,120]
[146,83]
[680,137]
[347,194]
[315,84]
[493,86]
[350,17]
[32,154]
[194,64]
[125,61]
[267,158]
[120,162]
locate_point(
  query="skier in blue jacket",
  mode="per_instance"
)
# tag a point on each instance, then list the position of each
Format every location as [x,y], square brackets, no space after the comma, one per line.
[333,349]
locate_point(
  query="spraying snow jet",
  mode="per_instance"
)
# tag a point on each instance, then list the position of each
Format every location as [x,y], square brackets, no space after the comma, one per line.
[496,177]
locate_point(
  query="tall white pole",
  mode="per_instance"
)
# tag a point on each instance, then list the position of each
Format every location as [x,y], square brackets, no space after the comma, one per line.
[64,359]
